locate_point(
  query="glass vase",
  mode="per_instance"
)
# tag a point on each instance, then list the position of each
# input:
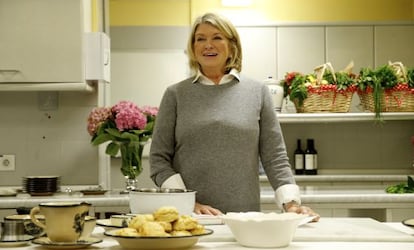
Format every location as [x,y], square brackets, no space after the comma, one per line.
[131,165]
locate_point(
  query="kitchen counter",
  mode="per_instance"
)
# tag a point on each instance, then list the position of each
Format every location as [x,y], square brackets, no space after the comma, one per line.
[309,195]
[328,201]
[223,239]
[343,194]
[329,195]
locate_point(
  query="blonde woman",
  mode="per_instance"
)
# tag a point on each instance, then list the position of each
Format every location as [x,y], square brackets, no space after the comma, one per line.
[213,127]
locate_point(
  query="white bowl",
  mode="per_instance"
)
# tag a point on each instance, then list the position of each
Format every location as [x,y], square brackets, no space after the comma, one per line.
[256,229]
[148,200]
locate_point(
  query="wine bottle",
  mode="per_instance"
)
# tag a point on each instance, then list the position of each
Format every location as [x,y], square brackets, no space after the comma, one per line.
[299,158]
[311,158]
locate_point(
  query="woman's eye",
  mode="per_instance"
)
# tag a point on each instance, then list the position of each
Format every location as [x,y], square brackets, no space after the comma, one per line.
[199,39]
[217,38]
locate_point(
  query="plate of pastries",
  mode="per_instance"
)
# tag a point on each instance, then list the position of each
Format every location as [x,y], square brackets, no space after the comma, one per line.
[164,228]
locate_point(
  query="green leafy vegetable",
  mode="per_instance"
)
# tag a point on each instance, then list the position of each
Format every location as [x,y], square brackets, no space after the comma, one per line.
[402,188]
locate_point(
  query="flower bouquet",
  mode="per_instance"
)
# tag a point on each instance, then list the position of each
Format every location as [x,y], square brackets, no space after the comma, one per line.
[322,91]
[128,128]
[388,88]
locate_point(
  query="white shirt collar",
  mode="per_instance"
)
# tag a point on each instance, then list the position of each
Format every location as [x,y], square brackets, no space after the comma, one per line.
[225,79]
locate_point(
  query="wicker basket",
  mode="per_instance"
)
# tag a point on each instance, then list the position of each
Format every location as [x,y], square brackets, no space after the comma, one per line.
[393,100]
[326,100]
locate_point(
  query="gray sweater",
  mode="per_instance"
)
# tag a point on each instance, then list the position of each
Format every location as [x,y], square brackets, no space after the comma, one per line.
[214,136]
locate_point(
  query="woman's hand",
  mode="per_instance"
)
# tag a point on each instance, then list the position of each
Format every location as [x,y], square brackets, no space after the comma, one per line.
[206,209]
[296,208]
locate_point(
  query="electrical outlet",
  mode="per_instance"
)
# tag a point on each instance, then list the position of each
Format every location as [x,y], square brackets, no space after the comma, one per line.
[48,100]
[7,163]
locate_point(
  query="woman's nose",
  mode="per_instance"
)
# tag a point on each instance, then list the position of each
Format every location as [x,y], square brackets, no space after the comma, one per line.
[208,45]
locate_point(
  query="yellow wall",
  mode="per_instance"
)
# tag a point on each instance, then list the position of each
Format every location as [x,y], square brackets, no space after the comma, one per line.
[182,12]
[149,12]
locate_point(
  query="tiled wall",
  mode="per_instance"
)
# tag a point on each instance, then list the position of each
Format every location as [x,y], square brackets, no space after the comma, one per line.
[47,142]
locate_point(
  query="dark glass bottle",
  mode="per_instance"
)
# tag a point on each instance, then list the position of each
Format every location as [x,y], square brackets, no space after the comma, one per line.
[311,158]
[299,157]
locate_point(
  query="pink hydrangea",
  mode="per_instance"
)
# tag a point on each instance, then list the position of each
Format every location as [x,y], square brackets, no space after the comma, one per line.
[151,111]
[96,118]
[128,116]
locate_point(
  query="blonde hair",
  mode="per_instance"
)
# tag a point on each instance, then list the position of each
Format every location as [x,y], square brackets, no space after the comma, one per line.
[228,30]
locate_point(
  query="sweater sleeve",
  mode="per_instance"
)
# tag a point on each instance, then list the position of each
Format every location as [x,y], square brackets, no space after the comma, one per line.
[272,146]
[163,139]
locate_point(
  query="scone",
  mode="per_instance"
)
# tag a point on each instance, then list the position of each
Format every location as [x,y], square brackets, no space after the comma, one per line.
[138,220]
[166,225]
[152,228]
[180,233]
[185,222]
[168,214]
[127,232]
[198,230]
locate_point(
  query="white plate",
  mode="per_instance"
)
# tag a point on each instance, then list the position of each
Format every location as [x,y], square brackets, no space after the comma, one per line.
[5,192]
[206,219]
[16,243]
[44,241]
[168,242]
[408,222]
[106,223]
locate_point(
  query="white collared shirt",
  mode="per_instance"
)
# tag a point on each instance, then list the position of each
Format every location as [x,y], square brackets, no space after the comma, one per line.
[225,79]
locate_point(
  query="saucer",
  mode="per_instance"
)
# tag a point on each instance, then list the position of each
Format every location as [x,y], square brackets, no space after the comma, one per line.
[16,243]
[46,242]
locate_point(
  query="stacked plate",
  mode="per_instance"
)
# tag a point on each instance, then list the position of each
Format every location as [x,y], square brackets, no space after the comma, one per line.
[41,185]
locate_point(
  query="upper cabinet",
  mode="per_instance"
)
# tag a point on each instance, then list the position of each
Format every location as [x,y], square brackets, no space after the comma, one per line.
[41,41]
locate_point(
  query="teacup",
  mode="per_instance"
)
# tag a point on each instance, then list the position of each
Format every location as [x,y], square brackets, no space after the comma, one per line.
[12,231]
[64,221]
[29,227]
[88,227]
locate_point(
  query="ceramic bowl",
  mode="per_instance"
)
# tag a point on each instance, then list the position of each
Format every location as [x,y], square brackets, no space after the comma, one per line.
[256,229]
[148,200]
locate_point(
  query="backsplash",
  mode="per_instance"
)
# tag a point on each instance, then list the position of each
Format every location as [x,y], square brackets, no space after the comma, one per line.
[52,142]
[56,142]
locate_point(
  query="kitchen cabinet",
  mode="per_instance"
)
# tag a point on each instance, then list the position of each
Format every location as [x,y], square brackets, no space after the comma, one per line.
[41,41]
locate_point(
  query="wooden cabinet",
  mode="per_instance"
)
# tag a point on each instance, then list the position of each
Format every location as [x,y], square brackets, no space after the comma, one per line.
[41,41]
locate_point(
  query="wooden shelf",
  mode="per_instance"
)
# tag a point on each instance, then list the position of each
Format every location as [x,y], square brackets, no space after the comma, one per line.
[341,117]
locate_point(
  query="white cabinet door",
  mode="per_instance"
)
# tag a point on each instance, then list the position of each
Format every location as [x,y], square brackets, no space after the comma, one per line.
[41,41]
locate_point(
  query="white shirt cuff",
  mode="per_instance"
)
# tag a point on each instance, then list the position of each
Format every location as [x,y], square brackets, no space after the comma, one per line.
[174,181]
[287,193]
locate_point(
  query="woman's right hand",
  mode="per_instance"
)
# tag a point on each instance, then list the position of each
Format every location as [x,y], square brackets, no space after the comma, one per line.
[206,209]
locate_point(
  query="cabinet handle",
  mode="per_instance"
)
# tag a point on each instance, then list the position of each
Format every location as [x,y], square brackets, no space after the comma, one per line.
[9,71]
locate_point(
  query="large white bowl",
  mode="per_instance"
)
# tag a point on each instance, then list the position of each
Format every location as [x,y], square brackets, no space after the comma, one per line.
[148,200]
[256,229]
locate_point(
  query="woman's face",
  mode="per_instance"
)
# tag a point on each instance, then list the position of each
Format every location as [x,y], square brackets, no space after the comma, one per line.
[211,48]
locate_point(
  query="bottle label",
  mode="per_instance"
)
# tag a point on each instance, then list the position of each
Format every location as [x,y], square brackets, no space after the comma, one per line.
[298,161]
[310,161]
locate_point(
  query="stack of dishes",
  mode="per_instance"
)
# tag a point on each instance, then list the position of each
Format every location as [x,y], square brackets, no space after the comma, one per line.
[41,185]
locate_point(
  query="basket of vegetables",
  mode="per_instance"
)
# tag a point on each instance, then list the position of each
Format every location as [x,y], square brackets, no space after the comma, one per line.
[322,91]
[388,88]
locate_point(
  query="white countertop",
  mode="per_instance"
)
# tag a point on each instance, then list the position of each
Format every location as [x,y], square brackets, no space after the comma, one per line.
[309,195]
[223,239]
[344,194]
